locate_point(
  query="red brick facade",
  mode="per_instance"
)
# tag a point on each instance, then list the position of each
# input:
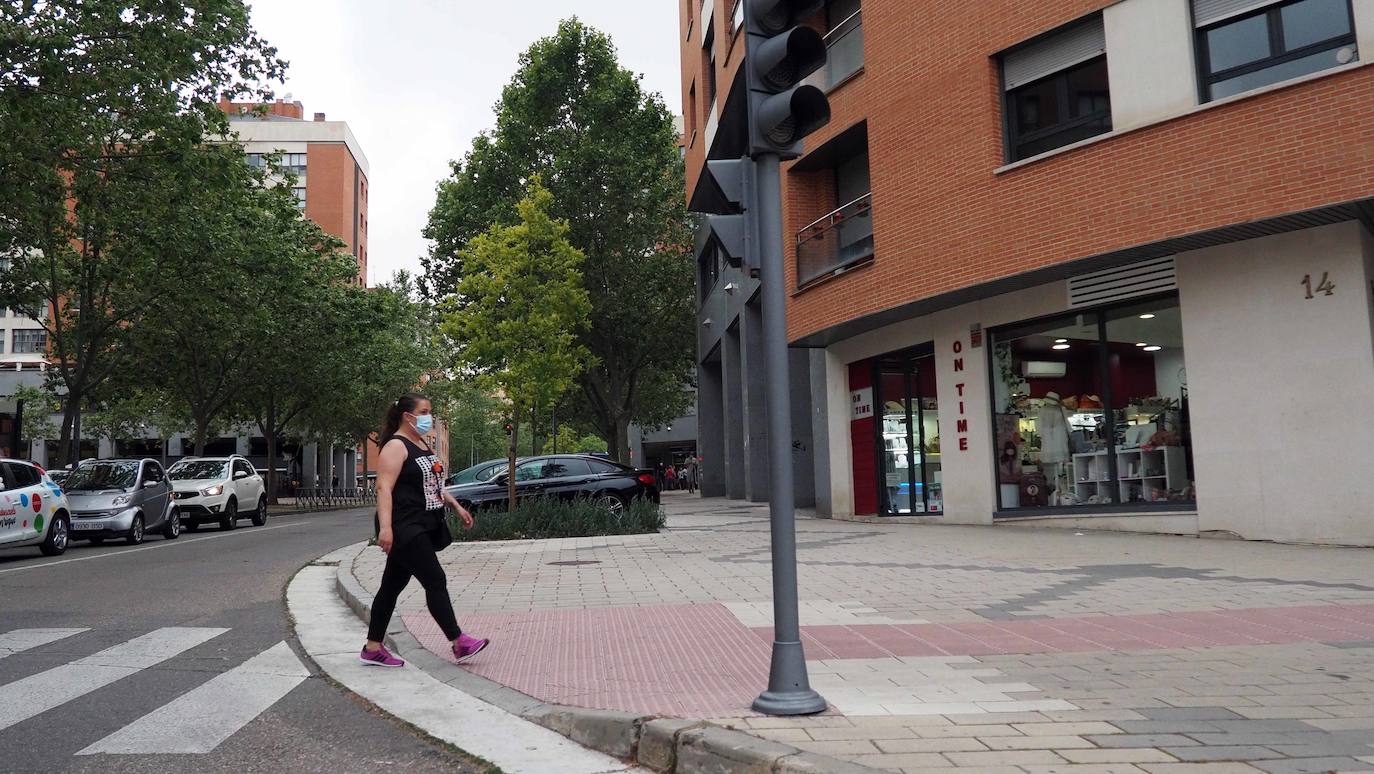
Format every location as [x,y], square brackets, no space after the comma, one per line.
[946,219]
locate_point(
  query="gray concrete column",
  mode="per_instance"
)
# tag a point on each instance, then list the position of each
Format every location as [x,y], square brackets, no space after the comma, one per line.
[176,447]
[820,431]
[350,475]
[711,430]
[755,417]
[243,445]
[104,448]
[803,445]
[38,451]
[310,466]
[341,466]
[732,397]
[326,465]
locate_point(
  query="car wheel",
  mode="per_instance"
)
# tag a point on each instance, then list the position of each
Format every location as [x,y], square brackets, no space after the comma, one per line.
[260,515]
[59,534]
[135,535]
[229,519]
[172,529]
[613,503]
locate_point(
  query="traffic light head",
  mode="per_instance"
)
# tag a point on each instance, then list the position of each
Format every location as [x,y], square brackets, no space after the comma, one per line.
[779,54]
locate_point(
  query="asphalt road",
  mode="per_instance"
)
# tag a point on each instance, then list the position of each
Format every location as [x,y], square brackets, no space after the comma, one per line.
[178,595]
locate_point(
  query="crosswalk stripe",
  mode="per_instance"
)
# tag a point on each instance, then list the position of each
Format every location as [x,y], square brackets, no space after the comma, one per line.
[198,721]
[21,640]
[23,699]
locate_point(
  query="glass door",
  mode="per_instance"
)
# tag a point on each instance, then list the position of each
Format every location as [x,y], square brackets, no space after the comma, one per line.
[909,435]
[898,443]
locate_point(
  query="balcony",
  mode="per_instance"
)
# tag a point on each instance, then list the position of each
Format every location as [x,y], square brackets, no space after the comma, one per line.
[844,47]
[836,241]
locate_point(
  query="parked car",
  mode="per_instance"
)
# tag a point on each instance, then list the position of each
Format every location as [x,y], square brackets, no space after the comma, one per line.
[122,499]
[570,476]
[33,510]
[219,489]
[480,473]
[59,476]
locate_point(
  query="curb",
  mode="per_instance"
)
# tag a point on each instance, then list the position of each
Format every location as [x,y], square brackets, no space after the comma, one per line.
[667,745]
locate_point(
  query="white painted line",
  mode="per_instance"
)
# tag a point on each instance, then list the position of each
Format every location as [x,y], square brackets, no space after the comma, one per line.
[332,636]
[164,544]
[198,721]
[21,640]
[34,695]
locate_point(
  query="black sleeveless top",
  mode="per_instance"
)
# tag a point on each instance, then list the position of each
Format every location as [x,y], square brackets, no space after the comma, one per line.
[417,503]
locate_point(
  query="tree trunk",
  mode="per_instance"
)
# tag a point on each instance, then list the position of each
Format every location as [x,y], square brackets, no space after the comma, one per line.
[202,431]
[64,444]
[622,442]
[510,462]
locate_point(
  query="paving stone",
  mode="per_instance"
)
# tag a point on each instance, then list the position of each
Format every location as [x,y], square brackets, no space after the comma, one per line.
[1164,726]
[861,732]
[1311,765]
[1120,755]
[1189,713]
[787,735]
[1068,729]
[1093,768]
[1036,742]
[843,749]
[902,761]
[1200,768]
[1209,754]
[1006,758]
[1141,740]
[946,732]
[956,744]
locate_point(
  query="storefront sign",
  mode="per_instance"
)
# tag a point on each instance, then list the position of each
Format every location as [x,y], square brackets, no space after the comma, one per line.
[861,404]
[961,422]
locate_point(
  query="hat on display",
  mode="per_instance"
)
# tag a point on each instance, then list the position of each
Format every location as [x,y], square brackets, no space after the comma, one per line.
[1052,397]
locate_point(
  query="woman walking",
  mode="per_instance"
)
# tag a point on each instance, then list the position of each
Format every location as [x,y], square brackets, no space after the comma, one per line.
[411,529]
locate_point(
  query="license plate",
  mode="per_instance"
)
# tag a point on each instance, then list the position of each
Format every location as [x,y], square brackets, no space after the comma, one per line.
[80,525]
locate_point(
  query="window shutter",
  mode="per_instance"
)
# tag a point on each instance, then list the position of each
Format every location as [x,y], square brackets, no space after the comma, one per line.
[1207,12]
[1058,52]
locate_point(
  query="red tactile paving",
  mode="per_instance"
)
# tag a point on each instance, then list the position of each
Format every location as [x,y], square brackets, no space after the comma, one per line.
[699,661]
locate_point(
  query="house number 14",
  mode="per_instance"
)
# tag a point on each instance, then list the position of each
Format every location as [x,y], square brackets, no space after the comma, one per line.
[1326,286]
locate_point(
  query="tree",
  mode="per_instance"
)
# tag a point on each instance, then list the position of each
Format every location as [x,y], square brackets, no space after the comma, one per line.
[523,306]
[105,107]
[608,152]
[474,418]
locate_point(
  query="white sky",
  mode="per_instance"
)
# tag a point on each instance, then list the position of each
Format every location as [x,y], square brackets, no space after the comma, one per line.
[416,80]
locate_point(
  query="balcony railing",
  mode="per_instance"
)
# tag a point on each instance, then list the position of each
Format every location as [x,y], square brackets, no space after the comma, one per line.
[838,240]
[844,47]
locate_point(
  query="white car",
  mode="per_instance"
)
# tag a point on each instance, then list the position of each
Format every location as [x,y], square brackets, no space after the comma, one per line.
[33,509]
[218,489]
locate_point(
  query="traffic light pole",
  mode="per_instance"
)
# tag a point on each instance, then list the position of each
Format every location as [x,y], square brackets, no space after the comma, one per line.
[789,689]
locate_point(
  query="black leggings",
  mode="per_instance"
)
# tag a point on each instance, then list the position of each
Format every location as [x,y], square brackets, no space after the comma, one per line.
[414,559]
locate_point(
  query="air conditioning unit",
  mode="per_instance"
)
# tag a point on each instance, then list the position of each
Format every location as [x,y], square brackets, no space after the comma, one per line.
[1039,369]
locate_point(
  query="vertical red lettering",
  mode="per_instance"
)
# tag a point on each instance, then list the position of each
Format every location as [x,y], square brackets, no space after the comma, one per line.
[963,444]
[958,364]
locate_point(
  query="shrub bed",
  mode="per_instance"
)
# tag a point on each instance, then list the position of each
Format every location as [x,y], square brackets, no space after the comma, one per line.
[546,518]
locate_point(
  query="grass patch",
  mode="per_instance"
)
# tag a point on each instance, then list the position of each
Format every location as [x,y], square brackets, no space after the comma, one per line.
[546,518]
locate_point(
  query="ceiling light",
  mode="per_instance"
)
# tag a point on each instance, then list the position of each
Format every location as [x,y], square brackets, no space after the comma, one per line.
[1154,348]
[1147,317]
[1142,344]
[1061,346]
[1061,341]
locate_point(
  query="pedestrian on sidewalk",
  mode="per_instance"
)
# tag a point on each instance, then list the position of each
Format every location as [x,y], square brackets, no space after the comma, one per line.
[670,477]
[411,529]
[690,471]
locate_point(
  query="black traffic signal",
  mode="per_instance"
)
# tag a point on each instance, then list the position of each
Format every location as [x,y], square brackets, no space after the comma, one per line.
[779,54]
[731,229]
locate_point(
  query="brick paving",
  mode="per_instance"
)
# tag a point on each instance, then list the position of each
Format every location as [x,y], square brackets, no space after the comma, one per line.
[942,648]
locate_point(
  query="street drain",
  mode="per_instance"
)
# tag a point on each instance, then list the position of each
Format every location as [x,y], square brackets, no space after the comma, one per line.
[575,562]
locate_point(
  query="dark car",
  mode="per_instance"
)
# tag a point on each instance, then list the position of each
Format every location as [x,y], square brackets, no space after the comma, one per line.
[566,477]
[480,473]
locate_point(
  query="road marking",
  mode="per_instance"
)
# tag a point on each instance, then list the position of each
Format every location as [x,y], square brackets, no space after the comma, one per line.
[21,640]
[198,721]
[165,544]
[34,695]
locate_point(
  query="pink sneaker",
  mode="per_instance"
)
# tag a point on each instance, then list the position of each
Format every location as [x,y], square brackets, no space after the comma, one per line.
[380,657]
[465,647]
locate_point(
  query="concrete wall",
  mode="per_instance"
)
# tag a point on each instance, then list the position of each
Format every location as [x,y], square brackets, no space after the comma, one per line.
[1150,61]
[1279,384]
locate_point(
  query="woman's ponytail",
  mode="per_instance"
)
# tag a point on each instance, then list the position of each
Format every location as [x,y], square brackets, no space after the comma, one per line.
[392,423]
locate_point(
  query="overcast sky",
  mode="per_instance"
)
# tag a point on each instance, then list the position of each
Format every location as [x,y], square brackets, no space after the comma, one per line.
[417,80]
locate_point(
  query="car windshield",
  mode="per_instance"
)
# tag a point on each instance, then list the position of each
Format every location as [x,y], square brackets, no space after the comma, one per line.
[188,471]
[95,476]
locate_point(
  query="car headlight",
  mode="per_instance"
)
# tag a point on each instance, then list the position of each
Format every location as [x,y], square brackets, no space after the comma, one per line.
[212,491]
[121,500]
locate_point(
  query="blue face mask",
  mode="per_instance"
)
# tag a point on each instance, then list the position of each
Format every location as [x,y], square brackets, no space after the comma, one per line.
[424,423]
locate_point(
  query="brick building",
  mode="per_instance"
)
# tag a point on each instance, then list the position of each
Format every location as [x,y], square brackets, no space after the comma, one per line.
[1079,263]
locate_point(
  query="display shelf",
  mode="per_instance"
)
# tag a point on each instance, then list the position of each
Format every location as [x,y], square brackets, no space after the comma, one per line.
[1144,475]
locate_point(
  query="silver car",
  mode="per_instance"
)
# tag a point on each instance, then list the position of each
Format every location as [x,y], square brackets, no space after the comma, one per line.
[121,499]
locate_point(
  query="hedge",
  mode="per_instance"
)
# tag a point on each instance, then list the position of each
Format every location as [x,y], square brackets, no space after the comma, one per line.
[544,518]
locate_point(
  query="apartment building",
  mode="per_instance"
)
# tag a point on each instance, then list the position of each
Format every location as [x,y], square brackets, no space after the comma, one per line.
[1073,263]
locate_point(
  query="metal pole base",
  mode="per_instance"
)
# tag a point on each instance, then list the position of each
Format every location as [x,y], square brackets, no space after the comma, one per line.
[789,691]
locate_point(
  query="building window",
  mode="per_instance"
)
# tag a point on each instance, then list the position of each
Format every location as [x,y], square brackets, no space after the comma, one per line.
[299,193]
[293,163]
[255,160]
[1273,44]
[28,342]
[708,56]
[692,114]
[1090,410]
[1057,91]
[736,16]
[709,270]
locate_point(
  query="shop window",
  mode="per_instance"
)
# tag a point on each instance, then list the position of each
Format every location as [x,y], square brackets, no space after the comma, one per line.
[1091,410]
[1276,43]
[1057,90]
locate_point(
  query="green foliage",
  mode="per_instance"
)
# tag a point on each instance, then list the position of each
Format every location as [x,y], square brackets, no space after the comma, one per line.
[571,441]
[474,420]
[522,307]
[608,153]
[546,518]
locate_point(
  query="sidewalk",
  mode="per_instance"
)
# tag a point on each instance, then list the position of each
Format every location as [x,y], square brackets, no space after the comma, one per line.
[996,648]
